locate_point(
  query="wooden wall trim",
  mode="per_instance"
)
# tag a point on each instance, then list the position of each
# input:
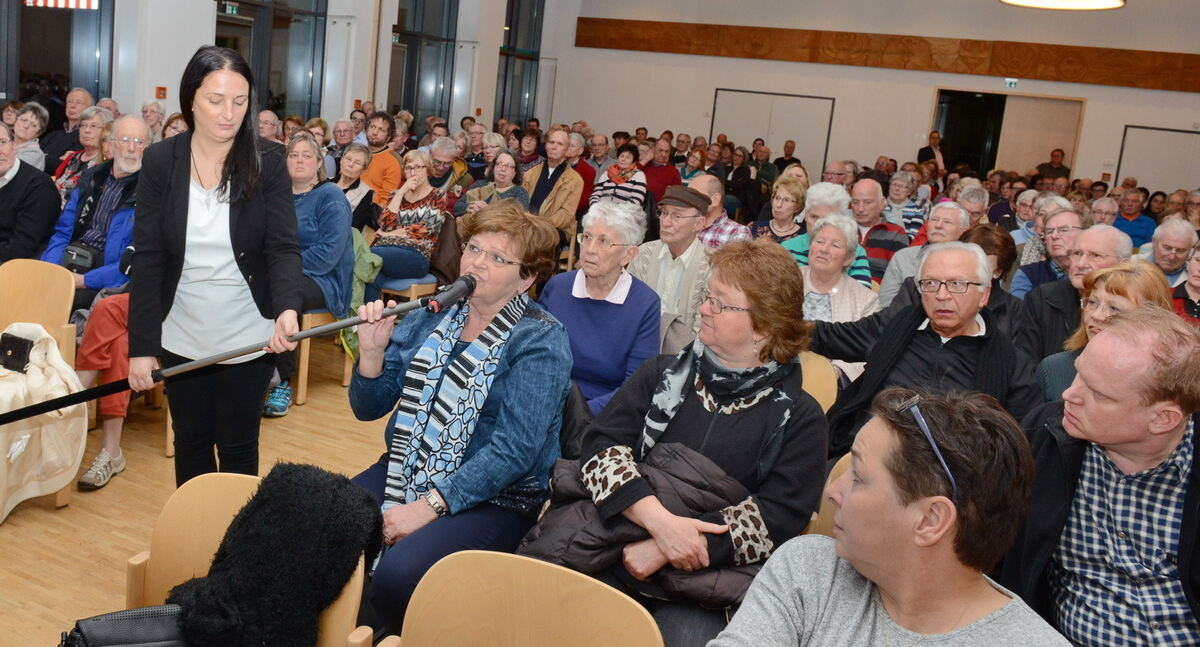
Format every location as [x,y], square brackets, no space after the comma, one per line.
[1040,61]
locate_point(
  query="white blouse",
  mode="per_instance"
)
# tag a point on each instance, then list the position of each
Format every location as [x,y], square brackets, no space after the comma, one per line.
[213,310]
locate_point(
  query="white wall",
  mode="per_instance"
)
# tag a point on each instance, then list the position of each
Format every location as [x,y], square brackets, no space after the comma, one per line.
[348,39]
[878,111]
[152,43]
[476,60]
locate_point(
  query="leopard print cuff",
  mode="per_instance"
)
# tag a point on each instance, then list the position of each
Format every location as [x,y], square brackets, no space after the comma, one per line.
[751,543]
[607,471]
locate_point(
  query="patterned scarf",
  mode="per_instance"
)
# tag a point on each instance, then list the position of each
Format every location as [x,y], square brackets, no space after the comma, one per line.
[434,423]
[619,176]
[726,390]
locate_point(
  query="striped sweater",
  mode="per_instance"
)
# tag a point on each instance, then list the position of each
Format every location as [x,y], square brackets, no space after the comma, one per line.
[632,190]
[882,242]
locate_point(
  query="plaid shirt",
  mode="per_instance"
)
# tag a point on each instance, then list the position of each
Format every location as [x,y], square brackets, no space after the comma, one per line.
[723,231]
[1115,576]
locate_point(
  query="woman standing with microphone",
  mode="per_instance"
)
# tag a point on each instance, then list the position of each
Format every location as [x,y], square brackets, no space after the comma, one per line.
[216,266]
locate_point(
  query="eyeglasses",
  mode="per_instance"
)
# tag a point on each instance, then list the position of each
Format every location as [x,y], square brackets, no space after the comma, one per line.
[1062,231]
[1094,257]
[1092,303]
[953,286]
[437,163]
[90,126]
[413,168]
[505,165]
[663,214]
[910,405]
[783,199]
[604,243]
[716,306]
[138,142]
[496,259]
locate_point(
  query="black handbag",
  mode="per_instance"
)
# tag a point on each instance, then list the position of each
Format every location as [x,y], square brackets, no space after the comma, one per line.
[144,627]
[80,258]
[14,352]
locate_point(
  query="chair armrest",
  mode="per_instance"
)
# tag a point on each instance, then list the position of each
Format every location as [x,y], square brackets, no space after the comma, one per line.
[360,637]
[135,580]
[390,641]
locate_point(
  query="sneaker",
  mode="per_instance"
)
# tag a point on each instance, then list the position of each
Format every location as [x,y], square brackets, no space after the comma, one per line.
[279,400]
[102,470]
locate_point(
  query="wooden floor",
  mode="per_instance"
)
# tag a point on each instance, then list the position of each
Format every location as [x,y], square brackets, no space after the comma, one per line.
[60,565]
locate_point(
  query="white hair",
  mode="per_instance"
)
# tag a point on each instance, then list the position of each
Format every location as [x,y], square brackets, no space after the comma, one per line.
[983,268]
[96,112]
[126,117]
[964,218]
[905,177]
[844,224]
[577,140]
[974,193]
[1122,243]
[1029,195]
[444,145]
[1107,200]
[1176,227]
[152,103]
[826,194]
[625,218]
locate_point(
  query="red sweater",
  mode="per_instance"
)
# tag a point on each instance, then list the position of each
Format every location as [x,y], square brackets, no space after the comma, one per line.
[658,178]
[588,173]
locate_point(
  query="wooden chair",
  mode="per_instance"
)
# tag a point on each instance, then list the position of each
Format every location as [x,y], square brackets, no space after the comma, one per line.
[41,293]
[568,256]
[820,378]
[312,319]
[186,536]
[514,601]
[822,523]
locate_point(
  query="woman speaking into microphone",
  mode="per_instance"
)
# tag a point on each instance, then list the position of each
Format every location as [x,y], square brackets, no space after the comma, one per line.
[216,266]
[476,394]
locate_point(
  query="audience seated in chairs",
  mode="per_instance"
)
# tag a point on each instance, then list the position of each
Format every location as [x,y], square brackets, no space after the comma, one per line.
[920,496]
[1052,309]
[830,294]
[727,413]
[676,266]
[903,207]
[947,222]
[97,224]
[1107,553]
[29,203]
[56,144]
[784,221]
[1168,249]
[503,182]
[30,123]
[91,125]
[622,181]
[1106,292]
[468,477]
[882,239]
[947,342]
[820,200]
[612,318]
[553,186]
[1059,228]
[327,255]
[352,161]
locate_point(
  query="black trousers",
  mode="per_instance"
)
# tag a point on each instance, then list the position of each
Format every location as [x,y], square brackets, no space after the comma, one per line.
[311,298]
[217,406]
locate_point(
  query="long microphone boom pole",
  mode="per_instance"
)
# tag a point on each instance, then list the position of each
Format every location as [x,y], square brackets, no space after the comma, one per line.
[455,292]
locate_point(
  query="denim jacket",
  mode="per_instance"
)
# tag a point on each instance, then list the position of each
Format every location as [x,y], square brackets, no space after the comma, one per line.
[515,442]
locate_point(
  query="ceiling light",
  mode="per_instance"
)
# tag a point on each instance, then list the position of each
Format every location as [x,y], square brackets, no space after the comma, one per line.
[1070,5]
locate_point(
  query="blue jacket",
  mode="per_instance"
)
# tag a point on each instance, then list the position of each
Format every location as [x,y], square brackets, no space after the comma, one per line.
[78,214]
[327,252]
[515,442]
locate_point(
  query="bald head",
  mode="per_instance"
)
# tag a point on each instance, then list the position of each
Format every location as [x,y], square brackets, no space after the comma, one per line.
[710,186]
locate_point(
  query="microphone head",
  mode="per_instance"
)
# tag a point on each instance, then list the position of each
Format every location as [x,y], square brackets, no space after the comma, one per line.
[460,289]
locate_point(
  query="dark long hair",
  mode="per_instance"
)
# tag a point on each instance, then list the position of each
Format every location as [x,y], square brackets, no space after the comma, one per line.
[242,166]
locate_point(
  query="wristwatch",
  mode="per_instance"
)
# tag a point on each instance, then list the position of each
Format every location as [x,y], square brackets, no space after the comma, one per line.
[434,503]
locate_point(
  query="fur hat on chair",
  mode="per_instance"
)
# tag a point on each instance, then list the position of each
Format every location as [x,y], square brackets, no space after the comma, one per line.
[285,558]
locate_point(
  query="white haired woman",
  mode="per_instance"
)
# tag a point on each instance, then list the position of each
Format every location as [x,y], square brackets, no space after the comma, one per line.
[830,294]
[612,319]
[152,114]
[823,199]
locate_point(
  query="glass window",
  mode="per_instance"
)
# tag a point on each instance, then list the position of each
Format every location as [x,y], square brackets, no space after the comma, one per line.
[422,75]
[516,82]
[289,77]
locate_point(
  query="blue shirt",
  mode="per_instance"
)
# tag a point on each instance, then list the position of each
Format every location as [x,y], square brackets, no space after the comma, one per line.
[515,441]
[610,338]
[326,249]
[1140,229]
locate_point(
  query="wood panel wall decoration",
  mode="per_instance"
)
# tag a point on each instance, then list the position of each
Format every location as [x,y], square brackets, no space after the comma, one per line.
[1041,61]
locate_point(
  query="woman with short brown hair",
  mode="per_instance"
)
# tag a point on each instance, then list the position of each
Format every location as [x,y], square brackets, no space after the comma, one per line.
[729,404]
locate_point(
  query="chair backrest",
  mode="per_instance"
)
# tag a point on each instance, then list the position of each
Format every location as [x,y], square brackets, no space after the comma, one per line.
[41,293]
[189,530]
[819,378]
[517,601]
[822,523]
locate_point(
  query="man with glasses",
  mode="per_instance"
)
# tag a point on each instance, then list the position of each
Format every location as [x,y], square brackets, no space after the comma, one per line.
[683,147]
[1059,234]
[1192,207]
[58,142]
[383,173]
[599,159]
[714,167]
[1104,211]
[1051,311]
[946,342]
[1169,248]
[837,172]
[451,174]
[947,222]
[343,136]
[359,119]
[476,163]
[1108,552]
[97,224]
[914,533]
[676,265]
[1131,220]
[29,202]
[268,126]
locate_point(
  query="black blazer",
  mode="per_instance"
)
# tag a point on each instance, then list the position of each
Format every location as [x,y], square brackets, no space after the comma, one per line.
[926,153]
[262,229]
[1058,460]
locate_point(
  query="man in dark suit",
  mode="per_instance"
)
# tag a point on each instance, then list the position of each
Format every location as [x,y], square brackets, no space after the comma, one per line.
[933,152]
[29,203]
[59,142]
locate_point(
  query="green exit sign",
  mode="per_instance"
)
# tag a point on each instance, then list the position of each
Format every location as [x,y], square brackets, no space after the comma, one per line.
[231,8]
